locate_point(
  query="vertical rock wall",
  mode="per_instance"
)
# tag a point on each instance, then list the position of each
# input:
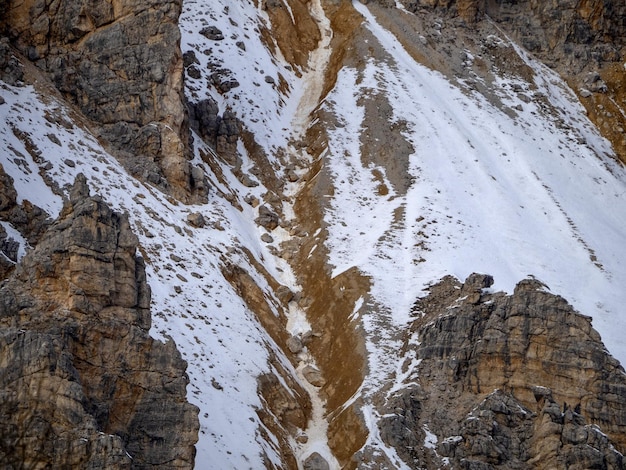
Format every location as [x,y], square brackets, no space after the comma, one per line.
[82,383]
[120,63]
[519,381]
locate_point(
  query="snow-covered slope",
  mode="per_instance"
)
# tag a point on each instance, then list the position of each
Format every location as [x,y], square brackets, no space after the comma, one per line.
[511,194]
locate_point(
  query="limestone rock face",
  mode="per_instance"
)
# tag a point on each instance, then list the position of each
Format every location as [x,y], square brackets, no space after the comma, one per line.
[82,383]
[120,62]
[519,381]
[570,33]
[31,221]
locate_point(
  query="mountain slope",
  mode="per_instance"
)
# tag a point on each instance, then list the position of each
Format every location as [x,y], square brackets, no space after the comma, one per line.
[355,154]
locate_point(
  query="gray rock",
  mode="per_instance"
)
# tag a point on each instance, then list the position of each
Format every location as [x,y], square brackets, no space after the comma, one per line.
[196,219]
[313,376]
[294,344]
[267,218]
[213,33]
[316,462]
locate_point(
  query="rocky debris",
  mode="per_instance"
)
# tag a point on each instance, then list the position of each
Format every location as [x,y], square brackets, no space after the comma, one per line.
[247,181]
[507,381]
[251,200]
[594,83]
[294,344]
[121,64]
[224,80]
[213,33]
[284,294]
[82,383]
[267,219]
[286,408]
[10,68]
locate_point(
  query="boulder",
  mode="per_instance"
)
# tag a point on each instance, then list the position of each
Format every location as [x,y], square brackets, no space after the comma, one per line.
[267,219]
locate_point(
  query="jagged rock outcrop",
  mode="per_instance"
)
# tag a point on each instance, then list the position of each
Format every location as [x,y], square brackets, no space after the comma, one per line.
[121,64]
[82,383]
[31,221]
[581,31]
[221,132]
[508,381]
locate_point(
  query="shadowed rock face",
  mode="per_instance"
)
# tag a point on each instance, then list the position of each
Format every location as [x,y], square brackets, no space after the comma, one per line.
[509,381]
[120,63]
[569,33]
[82,383]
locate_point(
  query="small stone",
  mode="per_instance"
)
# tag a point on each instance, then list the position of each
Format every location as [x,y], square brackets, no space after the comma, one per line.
[313,376]
[216,384]
[213,33]
[294,344]
[292,176]
[2,100]
[284,294]
[69,163]
[267,238]
[251,200]
[194,72]
[196,219]
[585,93]
[54,138]
[267,218]
[316,462]
[269,79]
[248,182]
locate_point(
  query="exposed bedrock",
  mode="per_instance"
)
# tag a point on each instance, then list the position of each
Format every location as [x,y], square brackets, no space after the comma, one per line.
[508,381]
[82,383]
[120,62]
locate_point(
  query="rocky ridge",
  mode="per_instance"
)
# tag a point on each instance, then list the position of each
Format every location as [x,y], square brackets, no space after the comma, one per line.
[120,63]
[83,384]
[507,381]
[525,413]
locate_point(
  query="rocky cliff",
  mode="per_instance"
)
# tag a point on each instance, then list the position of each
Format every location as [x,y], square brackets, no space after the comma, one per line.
[582,40]
[357,152]
[507,381]
[121,64]
[83,384]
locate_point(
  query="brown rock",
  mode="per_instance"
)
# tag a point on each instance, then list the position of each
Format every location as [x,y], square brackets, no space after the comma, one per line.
[120,63]
[267,218]
[83,384]
[196,219]
[509,381]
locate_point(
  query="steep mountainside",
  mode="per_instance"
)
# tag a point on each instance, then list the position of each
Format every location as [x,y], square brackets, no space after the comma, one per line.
[290,193]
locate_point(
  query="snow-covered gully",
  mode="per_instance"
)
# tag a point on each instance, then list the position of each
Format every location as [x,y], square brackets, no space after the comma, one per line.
[308,97]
